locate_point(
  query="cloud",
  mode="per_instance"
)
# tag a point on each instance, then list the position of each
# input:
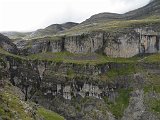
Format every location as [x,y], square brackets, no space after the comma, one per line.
[27,15]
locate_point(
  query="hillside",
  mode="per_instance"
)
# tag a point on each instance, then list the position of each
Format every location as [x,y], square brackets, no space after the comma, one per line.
[14,107]
[51,30]
[101,21]
[80,86]
[151,9]
[15,35]
[106,68]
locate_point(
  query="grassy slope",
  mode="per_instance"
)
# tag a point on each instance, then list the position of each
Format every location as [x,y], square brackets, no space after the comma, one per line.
[67,57]
[153,87]
[49,115]
[152,58]
[109,26]
[112,26]
[13,108]
[121,103]
[123,99]
[3,52]
[91,58]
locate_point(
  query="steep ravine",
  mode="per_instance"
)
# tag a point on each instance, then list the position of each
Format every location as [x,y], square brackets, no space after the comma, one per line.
[101,71]
[78,92]
[12,100]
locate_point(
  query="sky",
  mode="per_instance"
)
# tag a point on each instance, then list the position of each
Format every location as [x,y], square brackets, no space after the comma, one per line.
[29,15]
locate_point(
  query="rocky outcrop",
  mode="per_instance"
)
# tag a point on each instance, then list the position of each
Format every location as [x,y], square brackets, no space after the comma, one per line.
[138,41]
[84,91]
[137,109]
[46,44]
[149,41]
[127,43]
[123,45]
[76,90]
[6,44]
[85,43]
[65,79]
[66,85]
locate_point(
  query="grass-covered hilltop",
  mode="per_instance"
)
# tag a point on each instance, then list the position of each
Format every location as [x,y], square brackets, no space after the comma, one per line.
[105,68]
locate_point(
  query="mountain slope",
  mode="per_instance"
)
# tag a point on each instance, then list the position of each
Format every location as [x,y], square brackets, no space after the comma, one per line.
[150,10]
[153,8]
[13,107]
[85,83]
[15,35]
[52,29]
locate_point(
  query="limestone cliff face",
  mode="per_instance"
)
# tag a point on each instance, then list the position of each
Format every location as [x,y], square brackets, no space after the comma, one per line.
[63,87]
[85,43]
[126,43]
[76,90]
[40,45]
[65,79]
[149,41]
[137,41]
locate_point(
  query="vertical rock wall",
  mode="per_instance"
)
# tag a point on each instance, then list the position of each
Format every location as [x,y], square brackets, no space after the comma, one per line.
[39,46]
[134,42]
[85,43]
[125,45]
[149,41]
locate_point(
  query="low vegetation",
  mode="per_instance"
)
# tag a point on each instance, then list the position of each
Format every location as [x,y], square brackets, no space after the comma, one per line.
[155,105]
[51,38]
[153,58]
[122,71]
[67,57]
[153,88]
[118,106]
[49,115]
[5,53]
[13,107]
[113,26]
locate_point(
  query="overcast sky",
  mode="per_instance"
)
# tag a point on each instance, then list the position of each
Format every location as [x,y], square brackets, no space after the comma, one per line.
[29,15]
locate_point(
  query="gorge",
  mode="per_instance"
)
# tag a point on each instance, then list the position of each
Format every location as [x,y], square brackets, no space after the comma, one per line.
[105,68]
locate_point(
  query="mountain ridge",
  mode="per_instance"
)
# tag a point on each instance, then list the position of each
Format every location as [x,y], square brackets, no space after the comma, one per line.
[53,29]
[98,71]
[151,7]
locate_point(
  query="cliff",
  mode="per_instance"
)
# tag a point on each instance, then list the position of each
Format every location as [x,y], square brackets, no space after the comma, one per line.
[112,90]
[134,33]
[107,70]
[127,43]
